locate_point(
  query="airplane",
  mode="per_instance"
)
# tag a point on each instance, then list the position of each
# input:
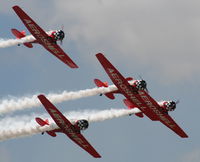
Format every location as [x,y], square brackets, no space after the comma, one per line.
[137,96]
[48,41]
[72,130]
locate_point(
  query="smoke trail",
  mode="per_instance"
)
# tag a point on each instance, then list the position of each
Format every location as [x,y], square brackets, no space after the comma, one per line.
[13,104]
[21,126]
[13,42]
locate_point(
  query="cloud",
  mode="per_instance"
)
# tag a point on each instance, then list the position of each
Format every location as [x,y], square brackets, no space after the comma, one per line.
[193,156]
[162,35]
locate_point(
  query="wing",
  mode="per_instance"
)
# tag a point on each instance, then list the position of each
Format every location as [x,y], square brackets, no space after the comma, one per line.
[67,127]
[163,117]
[124,87]
[43,38]
[174,127]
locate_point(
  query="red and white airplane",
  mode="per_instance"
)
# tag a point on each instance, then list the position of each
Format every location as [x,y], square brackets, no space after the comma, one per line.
[137,96]
[72,130]
[48,41]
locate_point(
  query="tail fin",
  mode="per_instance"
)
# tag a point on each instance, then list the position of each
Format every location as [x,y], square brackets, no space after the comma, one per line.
[130,105]
[99,83]
[42,122]
[18,34]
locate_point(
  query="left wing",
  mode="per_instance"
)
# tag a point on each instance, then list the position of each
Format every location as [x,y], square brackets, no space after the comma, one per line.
[42,37]
[67,127]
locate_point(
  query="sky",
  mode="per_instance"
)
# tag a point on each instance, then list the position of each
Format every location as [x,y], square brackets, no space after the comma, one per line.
[157,39]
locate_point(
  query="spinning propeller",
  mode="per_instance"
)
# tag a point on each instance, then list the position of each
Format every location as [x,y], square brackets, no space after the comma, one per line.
[62,28]
[144,83]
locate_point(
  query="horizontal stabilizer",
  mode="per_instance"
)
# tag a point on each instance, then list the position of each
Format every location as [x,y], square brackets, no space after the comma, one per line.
[29,45]
[42,122]
[51,133]
[129,104]
[139,114]
[18,34]
[100,83]
[110,96]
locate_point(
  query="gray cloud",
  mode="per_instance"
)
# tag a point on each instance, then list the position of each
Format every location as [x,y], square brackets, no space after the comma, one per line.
[193,156]
[163,35]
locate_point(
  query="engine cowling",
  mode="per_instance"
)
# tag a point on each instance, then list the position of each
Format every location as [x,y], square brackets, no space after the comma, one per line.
[168,105]
[82,124]
[58,35]
[140,85]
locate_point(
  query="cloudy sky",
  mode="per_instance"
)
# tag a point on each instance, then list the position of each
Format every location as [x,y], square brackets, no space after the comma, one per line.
[157,39]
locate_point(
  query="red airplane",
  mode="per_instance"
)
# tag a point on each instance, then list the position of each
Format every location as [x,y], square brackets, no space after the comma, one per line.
[73,131]
[137,96]
[47,41]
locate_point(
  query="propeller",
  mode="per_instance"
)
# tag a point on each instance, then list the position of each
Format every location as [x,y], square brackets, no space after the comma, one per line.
[177,102]
[145,82]
[62,28]
[61,42]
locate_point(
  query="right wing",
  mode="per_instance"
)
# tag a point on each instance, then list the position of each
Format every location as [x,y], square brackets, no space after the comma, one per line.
[67,127]
[124,87]
[163,117]
[43,38]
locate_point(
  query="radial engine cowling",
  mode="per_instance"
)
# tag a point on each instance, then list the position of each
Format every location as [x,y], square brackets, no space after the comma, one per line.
[140,84]
[168,105]
[82,124]
[59,35]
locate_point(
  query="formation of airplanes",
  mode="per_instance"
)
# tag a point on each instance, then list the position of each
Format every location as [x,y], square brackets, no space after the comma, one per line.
[137,97]
[135,91]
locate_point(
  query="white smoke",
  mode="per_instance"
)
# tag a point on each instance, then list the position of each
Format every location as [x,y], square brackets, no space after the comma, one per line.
[14,42]
[14,104]
[21,126]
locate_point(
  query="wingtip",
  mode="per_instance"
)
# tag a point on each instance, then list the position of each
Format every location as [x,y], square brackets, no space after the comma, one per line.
[40,96]
[75,67]
[186,136]
[99,54]
[97,156]
[15,7]
[72,65]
